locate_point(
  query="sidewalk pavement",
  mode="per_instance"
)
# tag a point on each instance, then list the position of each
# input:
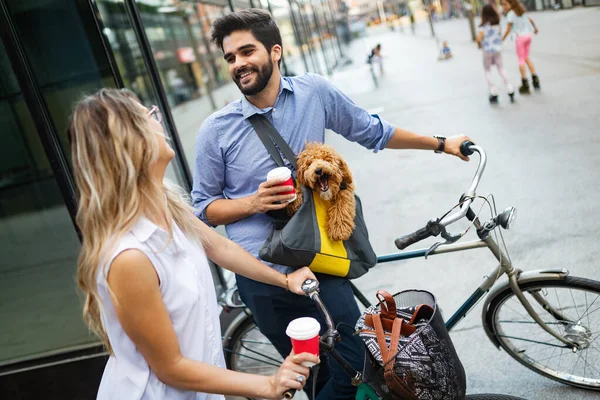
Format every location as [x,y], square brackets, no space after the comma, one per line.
[543,152]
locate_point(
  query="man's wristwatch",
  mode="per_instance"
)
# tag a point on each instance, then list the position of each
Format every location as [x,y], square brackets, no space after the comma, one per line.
[441,144]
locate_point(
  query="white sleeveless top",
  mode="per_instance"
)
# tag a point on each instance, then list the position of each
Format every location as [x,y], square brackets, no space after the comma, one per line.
[187,290]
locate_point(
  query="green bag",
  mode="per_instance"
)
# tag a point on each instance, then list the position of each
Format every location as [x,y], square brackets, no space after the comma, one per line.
[302,240]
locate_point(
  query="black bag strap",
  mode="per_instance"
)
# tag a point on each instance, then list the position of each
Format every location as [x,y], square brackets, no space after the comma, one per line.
[269,136]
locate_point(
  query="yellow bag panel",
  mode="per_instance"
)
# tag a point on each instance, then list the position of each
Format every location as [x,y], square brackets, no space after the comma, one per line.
[332,259]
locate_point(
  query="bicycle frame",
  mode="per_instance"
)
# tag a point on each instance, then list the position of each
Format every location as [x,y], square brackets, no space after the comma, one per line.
[452,248]
[505,267]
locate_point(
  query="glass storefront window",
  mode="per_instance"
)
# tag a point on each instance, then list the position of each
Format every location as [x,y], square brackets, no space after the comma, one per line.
[292,49]
[75,67]
[39,308]
[195,80]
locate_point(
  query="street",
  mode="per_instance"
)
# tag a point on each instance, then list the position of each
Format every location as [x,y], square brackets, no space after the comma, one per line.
[543,157]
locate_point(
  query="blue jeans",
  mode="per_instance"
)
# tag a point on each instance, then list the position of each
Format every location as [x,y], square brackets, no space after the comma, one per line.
[273,308]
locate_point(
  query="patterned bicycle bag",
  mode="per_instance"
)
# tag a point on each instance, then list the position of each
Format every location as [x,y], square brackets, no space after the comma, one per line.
[409,354]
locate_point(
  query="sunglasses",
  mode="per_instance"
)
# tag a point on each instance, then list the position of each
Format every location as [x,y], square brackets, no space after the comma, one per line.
[155,114]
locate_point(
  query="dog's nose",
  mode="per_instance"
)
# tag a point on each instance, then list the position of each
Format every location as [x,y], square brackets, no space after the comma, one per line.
[319,171]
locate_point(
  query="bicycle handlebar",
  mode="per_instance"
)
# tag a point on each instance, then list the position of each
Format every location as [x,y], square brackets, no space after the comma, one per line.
[311,288]
[434,227]
[412,238]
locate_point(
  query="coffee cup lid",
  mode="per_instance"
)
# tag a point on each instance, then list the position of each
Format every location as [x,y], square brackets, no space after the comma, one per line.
[279,173]
[303,328]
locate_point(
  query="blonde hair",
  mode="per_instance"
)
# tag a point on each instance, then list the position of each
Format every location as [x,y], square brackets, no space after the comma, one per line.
[114,150]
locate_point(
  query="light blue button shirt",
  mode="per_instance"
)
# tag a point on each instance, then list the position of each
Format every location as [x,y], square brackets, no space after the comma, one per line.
[231,162]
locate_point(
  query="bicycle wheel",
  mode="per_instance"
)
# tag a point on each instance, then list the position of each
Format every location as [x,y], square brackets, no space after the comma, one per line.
[248,350]
[578,301]
[492,397]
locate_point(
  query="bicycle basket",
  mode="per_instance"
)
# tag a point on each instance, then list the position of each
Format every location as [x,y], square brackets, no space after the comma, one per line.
[409,354]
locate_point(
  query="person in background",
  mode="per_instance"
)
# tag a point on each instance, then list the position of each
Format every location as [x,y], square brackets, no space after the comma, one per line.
[143,268]
[523,27]
[489,39]
[445,52]
[375,57]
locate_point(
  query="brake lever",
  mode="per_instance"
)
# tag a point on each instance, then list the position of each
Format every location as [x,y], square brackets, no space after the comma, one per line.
[450,238]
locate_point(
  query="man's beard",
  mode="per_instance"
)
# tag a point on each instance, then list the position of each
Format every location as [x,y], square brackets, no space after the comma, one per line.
[260,82]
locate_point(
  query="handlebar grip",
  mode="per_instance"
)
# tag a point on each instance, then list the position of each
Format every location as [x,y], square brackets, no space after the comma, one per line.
[289,394]
[464,148]
[407,240]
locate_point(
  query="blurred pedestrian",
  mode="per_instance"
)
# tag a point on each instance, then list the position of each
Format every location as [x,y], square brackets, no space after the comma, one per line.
[489,39]
[523,27]
[445,52]
[375,57]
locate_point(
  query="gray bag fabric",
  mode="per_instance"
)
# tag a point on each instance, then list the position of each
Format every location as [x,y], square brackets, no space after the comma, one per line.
[299,242]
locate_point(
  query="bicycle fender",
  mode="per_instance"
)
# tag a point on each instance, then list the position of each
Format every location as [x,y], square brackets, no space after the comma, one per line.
[233,326]
[524,277]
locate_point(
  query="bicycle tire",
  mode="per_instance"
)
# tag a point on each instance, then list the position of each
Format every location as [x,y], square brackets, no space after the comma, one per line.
[234,347]
[503,329]
[492,397]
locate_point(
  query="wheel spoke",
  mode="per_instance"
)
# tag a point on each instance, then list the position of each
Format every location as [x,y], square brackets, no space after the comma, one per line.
[575,305]
[594,310]
[553,350]
[538,349]
[531,341]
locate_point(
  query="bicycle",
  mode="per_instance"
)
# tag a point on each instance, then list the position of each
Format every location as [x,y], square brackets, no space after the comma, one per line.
[541,318]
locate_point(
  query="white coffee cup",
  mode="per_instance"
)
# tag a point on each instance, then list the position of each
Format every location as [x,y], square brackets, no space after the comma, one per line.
[304,333]
[285,175]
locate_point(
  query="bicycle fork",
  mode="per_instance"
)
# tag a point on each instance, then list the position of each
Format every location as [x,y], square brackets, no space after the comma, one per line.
[513,280]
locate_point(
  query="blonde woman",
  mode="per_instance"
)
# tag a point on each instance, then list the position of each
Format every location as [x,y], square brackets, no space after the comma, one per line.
[143,270]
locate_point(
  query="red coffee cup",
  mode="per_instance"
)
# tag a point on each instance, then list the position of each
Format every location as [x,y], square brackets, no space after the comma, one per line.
[283,173]
[304,334]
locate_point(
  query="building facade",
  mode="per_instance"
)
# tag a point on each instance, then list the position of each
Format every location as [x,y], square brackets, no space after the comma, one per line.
[52,53]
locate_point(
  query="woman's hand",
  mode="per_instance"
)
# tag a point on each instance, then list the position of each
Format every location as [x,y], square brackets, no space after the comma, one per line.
[291,375]
[297,278]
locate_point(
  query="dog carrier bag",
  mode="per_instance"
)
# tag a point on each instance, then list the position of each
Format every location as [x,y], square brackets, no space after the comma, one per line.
[409,354]
[302,240]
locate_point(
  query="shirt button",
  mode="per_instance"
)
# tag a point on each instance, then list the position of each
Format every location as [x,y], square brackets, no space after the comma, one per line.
[274,109]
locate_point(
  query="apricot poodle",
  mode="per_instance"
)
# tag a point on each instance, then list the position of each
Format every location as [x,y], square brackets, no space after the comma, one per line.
[323,170]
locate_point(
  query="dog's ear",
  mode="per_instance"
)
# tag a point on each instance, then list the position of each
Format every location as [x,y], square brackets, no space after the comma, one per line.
[346,173]
[304,160]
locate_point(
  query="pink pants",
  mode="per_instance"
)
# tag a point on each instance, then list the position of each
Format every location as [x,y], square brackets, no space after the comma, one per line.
[523,45]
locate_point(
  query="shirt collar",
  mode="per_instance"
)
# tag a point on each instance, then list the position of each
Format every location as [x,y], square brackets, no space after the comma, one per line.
[249,109]
[143,229]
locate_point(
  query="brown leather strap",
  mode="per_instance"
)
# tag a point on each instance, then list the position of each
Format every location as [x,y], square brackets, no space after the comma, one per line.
[387,304]
[421,308]
[380,334]
[388,355]
[394,382]
[388,323]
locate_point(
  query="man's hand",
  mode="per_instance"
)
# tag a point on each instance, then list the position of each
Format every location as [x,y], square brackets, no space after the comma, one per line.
[452,146]
[297,278]
[267,198]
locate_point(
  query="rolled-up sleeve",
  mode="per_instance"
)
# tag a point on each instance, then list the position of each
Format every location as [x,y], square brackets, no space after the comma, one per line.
[209,170]
[351,121]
